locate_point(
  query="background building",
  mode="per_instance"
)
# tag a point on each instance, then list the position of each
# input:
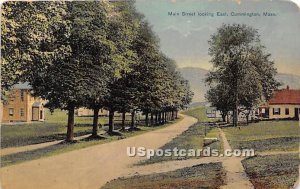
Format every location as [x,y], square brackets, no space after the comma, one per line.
[21,106]
[284,104]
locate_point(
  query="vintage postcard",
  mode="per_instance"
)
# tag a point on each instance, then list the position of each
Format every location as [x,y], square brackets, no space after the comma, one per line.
[150,94]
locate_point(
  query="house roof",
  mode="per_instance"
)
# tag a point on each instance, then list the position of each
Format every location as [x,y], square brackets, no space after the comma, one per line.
[22,86]
[285,96]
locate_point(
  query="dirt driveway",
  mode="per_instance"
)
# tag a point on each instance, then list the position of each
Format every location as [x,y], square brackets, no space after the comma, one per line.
[87,168]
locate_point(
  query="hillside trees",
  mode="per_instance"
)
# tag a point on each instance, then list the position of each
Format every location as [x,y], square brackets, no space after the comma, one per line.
[242,73]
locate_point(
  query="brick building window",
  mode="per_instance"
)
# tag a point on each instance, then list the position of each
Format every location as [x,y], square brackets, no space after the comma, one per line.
[287,111]
[11,112]
[22,95]
[276,111]
[22,112]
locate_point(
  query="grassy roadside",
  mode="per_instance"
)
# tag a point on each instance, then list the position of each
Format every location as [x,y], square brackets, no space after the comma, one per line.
[189,139]
[200,114]
[52,129]
[266,136]
[200,176]
[210,175]
[22,135]
[272,172]
[63,147]
[193,138]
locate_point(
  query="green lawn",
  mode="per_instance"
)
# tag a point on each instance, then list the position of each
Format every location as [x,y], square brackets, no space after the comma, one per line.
[193,138]
[265,136]
[21,135]
[213,144]
[200,176]
[189,139]
[272,172]
[60,116]
[200,114]
[53,128]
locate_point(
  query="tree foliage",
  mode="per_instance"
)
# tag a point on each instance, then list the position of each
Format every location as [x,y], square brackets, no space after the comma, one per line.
[242,74]
[91,54]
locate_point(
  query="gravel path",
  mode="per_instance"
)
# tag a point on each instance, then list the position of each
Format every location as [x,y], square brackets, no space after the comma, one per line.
[236,177]
[89,167]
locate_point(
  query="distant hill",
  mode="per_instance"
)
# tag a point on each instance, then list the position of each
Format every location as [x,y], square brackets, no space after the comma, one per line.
[196,77]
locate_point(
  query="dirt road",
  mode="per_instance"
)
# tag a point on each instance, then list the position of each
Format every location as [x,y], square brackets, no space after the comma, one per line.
[87,168]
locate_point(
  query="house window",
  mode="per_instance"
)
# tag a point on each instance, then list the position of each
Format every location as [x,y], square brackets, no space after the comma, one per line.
[11,97]
[287,111]
[22,95]
[11,112]
[22,112]
[276,111]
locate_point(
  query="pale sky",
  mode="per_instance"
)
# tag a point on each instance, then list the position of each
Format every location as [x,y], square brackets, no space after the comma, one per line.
[184,38]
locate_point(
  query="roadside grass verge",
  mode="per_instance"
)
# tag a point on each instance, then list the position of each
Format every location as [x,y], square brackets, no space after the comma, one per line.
[192,138]
[66,147]
[200,114]
[272,144]
[272,172]
[200,176]
[189,139]
[22,135]
[52,129]
[214,144]
[265,136]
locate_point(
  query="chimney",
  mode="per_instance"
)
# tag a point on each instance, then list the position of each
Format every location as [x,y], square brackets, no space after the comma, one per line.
[288,87]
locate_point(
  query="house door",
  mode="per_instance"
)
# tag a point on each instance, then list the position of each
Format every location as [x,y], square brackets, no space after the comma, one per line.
[41,115]
[267,115]
[35,114]
[297,113]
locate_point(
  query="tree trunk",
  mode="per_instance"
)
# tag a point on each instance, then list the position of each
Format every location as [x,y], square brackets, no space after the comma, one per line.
[146,119]
[95,122]
[247,118]
[173,115]
[165,117]
[235,117]
[156,118]
[224,117]
[151,119]
[123,120]
[70,126]
[111,121]
[132,119]
[176,114]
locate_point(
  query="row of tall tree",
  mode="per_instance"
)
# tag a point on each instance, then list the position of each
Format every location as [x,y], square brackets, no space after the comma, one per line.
[93,54]
[243,75]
